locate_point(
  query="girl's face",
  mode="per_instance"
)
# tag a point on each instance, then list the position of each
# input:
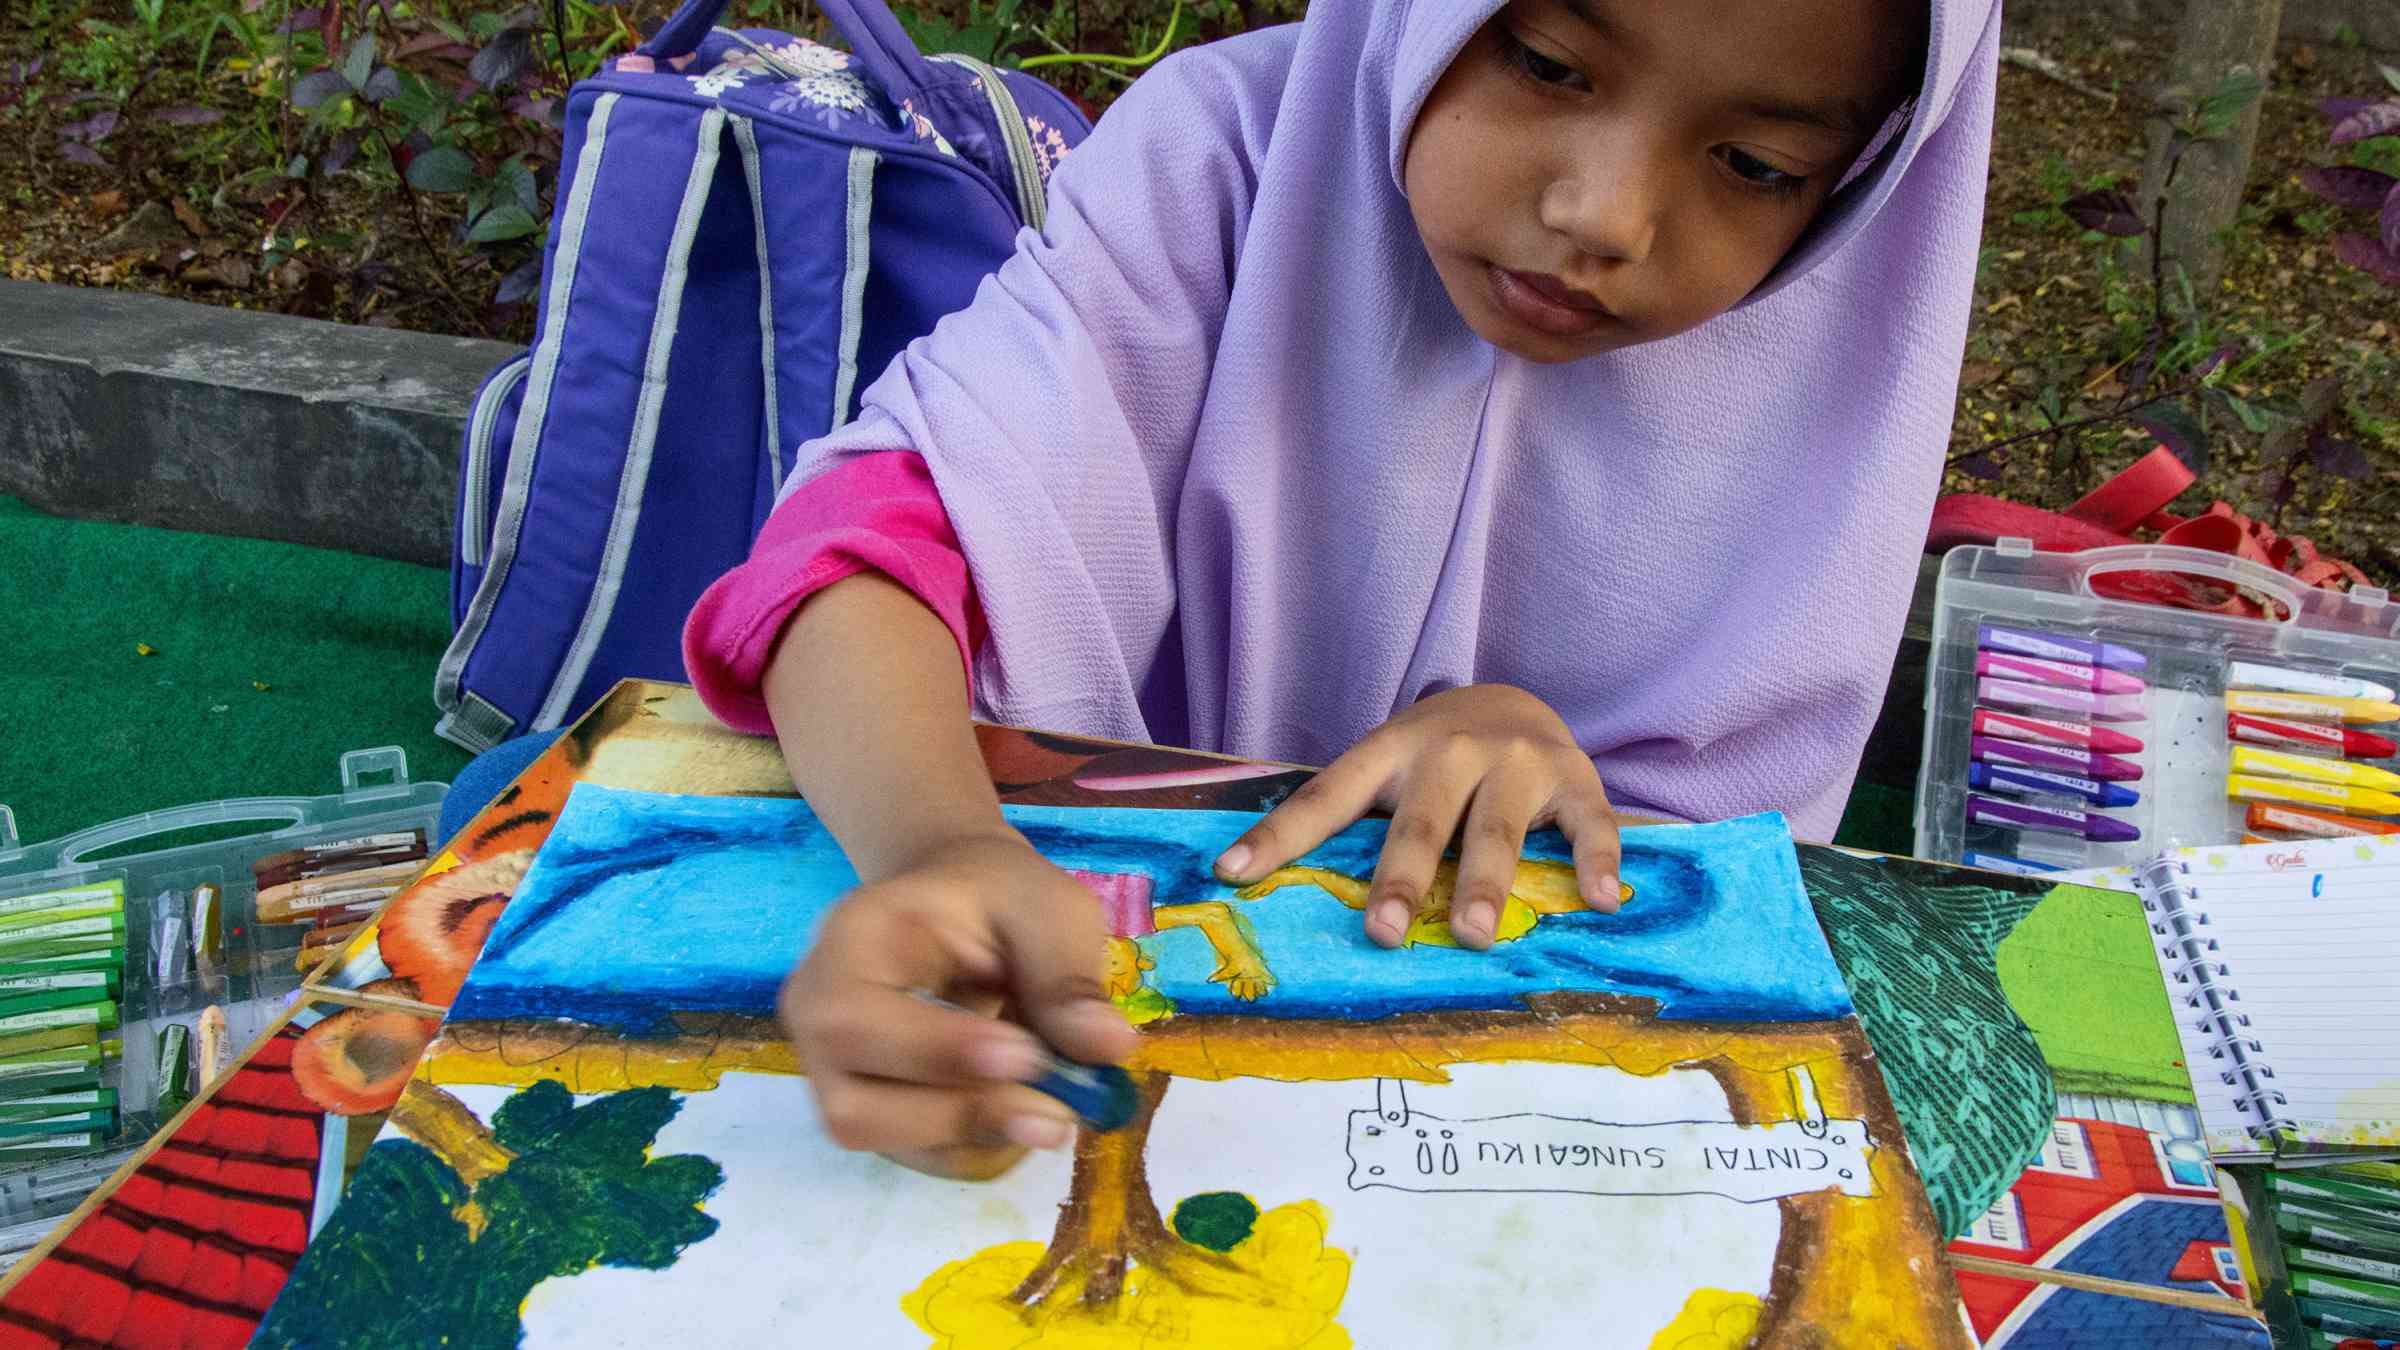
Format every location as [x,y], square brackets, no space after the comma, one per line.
[1589,174]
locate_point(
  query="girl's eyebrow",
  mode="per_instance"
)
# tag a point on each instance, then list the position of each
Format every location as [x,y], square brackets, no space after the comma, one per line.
[1846,117]
[1841,115]
[1591,16]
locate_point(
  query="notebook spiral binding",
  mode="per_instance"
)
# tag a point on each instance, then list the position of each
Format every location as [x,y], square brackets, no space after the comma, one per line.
[2206,986]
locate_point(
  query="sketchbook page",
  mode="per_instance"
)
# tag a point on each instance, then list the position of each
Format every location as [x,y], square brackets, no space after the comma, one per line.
[2228,1127]
[1669,1113]
[2310,937]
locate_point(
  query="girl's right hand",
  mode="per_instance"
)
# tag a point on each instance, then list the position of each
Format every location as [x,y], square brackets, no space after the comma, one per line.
[983,921]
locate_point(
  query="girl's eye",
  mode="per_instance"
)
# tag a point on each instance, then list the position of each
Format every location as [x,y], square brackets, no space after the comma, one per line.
[1532,65]
[1759,174]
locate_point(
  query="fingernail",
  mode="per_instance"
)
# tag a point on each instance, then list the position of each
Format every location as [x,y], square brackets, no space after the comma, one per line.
[1089,1019]
[1013,1060]
[1235,861]
[1036,1132]
[1388,920]
[1475,922]
[1604,896]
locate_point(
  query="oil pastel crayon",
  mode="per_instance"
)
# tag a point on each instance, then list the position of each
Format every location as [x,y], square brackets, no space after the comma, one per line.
[2097,791]
[2053,759]
[2314,824]
[1993,637]
[2009,726]
[339,855]
[2311,707]
[2322,737]
[2253,788]
[78,899]
[2014,815]
[1102,1095]
[2256,675]
[2002,862]
[2277,764]
[279,905]
[2075,702]
[2064,674]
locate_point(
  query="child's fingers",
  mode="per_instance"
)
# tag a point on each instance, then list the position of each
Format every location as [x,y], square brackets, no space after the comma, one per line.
[854,1003]
[1315,811]
[1584,816]
[1489,846]
[1422,827]
[874,1029]
[1054,938]
[889,1117]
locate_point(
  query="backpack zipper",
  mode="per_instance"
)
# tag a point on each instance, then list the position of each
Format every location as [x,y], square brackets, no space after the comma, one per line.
[473,524]
[1032,205]
[1024,166]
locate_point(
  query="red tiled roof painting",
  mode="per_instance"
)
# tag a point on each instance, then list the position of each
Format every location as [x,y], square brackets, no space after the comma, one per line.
[188,1253]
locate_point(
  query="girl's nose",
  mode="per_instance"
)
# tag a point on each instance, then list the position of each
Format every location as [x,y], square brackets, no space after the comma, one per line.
[1607,205]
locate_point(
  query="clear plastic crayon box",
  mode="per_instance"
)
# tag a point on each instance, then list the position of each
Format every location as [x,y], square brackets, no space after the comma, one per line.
[2049,702]
[160,860]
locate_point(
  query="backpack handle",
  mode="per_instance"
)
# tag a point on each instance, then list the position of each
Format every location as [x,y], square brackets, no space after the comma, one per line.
[875,38]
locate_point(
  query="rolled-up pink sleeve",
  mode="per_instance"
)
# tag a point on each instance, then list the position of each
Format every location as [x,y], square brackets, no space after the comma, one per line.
[878,512]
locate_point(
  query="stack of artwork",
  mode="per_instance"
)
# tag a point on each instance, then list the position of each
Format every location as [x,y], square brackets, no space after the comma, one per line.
[1670,1111]
[1661,1127]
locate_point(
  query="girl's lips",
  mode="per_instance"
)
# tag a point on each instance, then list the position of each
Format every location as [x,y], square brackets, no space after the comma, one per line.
[1547,304]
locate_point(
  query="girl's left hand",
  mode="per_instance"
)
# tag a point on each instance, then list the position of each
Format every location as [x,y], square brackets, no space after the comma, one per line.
[1482,764]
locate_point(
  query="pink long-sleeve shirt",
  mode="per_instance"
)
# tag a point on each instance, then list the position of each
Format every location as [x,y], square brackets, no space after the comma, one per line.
[875,512]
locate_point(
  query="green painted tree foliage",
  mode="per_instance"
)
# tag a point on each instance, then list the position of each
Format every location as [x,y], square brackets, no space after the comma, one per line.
[396,1266]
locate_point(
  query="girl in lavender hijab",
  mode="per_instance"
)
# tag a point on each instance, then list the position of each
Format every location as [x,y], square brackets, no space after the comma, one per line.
[1522,406]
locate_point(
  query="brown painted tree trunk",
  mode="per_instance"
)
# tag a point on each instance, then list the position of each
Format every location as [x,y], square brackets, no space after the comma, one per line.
[2218,38]
[1109,1218]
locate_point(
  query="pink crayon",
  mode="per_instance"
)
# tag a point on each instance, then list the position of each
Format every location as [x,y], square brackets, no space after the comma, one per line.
[2010,726]
[2063,674]
[2076,702]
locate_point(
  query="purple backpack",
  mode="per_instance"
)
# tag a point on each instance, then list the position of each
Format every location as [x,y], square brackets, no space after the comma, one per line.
[749,227]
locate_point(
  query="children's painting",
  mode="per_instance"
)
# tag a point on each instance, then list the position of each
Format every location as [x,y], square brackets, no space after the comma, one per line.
[1663,1126]
[2120,1188]
[191,1244]
[2038,1005]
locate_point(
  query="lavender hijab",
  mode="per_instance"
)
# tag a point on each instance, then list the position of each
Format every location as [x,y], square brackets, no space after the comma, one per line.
[1230,471]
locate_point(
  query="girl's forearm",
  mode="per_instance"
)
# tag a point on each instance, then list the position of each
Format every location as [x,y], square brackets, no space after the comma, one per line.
[870,706]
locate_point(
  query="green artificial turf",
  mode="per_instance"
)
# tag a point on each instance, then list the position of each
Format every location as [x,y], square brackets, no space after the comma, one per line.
[267,662]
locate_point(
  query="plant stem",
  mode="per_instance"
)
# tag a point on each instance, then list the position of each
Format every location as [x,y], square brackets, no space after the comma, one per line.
[558,26]
[2060,428]
[1104,59]
[416,214]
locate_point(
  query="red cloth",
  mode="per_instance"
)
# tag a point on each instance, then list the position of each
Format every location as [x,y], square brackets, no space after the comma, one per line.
[877,512]
[2137,499]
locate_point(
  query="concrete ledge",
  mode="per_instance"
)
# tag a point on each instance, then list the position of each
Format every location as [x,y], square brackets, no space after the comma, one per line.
[133,408]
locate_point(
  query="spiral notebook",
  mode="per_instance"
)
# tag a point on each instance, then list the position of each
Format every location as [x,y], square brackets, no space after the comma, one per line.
[2282,963]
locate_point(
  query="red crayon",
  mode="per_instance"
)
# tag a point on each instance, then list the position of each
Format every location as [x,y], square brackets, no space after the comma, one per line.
[2009,726]
[2322,737]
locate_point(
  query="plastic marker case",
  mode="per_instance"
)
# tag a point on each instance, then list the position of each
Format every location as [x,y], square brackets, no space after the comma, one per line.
[2046,608]
[254,980]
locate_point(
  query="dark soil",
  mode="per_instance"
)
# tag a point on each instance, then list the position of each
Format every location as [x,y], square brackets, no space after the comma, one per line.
[2043,309]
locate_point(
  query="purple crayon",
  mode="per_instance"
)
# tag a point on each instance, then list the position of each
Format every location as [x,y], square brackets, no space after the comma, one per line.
[2064,674]
[2042,782]
[2054,759]
[2052,647]
[2090,825]
[2050,698]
